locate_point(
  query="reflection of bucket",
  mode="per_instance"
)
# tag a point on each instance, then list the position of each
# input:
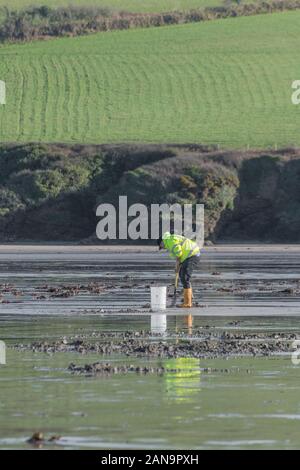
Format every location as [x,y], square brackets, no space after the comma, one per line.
[158,323]
[158,298]
[2,353]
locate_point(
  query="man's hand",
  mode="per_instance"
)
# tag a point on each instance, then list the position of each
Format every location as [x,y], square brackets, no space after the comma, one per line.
[177,267]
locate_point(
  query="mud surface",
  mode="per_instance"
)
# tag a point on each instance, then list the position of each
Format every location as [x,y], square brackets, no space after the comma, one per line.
[107,369]
[201,345]
[99,368]
[233,281]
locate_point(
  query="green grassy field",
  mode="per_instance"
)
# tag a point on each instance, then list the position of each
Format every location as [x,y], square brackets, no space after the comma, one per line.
[127,5]
[226,82]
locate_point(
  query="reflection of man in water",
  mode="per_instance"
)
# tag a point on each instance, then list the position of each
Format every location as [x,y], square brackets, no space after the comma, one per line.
[187,254]
[185,383]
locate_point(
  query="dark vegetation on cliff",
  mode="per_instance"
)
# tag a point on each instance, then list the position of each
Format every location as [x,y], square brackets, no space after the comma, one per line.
[44,22]
[50,192]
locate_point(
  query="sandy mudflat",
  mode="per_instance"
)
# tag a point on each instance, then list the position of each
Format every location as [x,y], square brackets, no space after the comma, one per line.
[72,248]
[63,279]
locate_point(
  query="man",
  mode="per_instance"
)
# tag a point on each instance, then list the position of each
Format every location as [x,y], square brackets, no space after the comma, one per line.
[187,254]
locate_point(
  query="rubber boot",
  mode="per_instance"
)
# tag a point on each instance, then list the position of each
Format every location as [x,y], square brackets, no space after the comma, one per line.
[187,295]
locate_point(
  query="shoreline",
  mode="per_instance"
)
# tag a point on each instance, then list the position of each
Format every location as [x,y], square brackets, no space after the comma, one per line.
[64,248]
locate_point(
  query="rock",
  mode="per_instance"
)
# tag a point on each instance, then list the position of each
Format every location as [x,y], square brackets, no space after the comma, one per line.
[36,438]
[289,291]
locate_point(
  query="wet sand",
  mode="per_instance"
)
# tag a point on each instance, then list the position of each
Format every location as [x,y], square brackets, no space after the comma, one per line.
[233,280]
[65,248]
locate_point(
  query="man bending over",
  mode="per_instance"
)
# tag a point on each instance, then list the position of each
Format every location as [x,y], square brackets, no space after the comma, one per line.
[187,254]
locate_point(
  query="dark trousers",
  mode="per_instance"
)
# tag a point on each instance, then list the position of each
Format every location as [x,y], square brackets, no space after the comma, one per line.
[186,270]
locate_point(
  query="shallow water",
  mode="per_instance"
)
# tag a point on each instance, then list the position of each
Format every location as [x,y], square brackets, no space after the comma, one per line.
[245,403]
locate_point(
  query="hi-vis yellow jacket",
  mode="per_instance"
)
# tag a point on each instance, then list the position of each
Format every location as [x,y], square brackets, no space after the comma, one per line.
[180,247]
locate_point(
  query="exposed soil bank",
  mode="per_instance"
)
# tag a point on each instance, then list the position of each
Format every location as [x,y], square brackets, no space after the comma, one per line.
[50,192]
[202,345]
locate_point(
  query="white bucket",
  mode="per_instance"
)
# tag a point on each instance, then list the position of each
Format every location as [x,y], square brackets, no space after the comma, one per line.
[158,298]
[158,323]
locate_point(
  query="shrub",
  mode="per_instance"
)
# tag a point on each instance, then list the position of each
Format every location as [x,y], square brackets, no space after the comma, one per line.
[37,22]
[9,202]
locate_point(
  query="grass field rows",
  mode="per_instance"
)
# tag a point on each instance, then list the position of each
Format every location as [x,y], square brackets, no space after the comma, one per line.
[226,82]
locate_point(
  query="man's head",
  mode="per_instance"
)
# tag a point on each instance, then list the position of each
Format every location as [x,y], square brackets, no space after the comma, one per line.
[160,240]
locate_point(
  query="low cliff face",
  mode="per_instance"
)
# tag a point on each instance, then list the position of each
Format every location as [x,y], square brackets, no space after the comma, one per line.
[50,192]
[267,206]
